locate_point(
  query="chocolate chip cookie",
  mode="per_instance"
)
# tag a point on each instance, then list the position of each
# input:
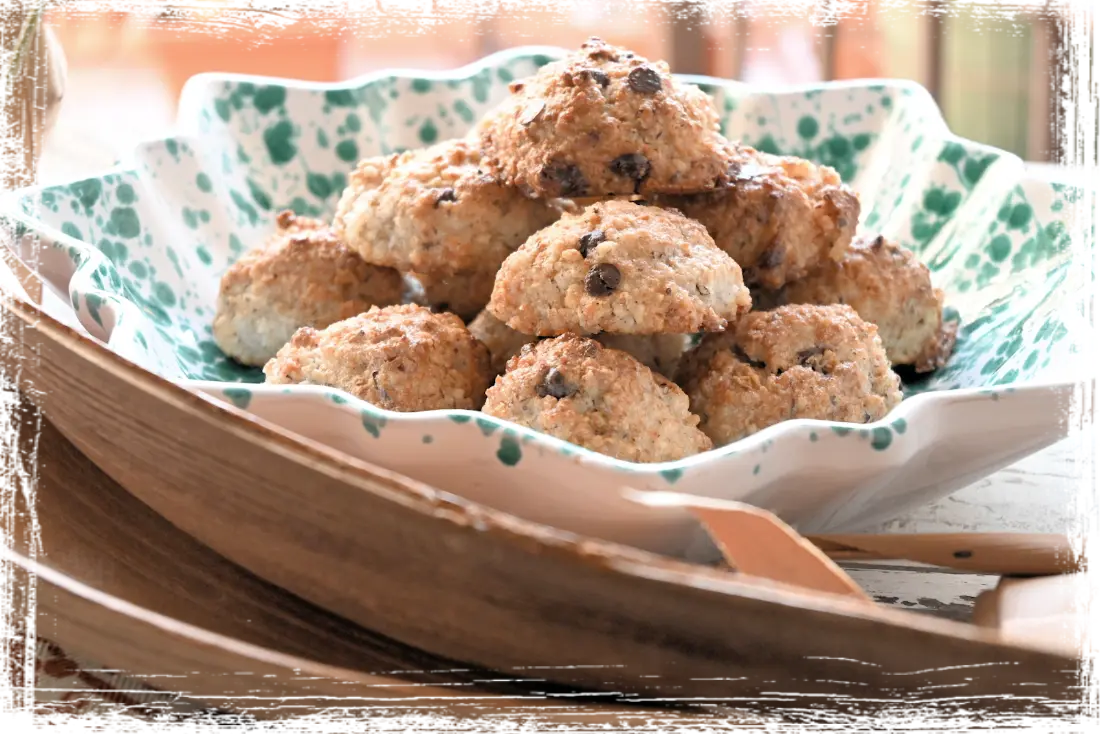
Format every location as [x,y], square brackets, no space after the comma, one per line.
[302,276]
[887,285]
[464,293]
[801,361]
[402,358]
[435,211]
[659,352]
[502,341]
[602,399]
[604,121]
[622,268]
[778,217]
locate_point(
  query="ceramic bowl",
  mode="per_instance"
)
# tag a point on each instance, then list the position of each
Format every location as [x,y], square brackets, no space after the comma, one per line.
[134,256]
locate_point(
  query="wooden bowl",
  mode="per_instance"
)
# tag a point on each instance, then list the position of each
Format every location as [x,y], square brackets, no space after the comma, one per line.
[455,580]
[96,570]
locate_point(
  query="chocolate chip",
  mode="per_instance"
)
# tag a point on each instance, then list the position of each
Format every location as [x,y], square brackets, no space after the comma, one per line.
[772,258]
[963,554]
[554,385]
[878,243]
[740,354]
[602,280]
[632,166]
[589,241]
[597,76]
[644,80]
[565,178]
[447,194]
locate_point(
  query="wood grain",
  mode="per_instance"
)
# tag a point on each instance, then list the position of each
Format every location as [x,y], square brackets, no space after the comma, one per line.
[1007,554]
[1037,494]
[95,569]
[443,575]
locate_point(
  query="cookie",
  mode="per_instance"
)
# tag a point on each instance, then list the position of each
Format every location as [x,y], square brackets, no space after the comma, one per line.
[779,217]
[464,293]
[602,399]
[435,210]
[402,358]
[801,361]
[622,268]
[659,352]
[604,121]
[502,341]
[302,276]
[886,284]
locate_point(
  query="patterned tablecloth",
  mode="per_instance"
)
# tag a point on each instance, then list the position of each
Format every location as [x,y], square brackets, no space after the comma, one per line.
[45,690]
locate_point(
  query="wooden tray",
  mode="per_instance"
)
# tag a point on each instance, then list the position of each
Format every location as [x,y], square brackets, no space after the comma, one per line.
[119,584]
[461,582]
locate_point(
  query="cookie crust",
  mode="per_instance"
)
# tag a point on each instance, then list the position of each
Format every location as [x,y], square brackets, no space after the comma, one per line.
[403,358]
[602,122]
[602,399]
[801,361]
[622,268]
[435,210]
[887,285]
[779,217]
[302,276]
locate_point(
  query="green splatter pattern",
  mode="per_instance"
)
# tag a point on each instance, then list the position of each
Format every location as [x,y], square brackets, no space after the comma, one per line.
[148,245]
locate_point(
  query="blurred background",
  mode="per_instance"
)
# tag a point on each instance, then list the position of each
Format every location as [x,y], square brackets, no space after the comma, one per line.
[991,68]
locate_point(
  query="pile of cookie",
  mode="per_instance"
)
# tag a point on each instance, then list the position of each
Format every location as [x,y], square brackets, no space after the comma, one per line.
[597,262]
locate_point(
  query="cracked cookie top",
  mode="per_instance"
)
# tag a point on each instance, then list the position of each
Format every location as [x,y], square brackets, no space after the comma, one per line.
[604,121]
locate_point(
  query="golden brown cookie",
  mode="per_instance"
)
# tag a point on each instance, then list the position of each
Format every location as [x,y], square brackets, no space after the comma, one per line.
[402,358]
[602,399]
[779,217]
[464,293]
[802,361]
[302,276]
[502,341]
[604,121]
[887,285]
[435,210]
[622,268]
[659,352]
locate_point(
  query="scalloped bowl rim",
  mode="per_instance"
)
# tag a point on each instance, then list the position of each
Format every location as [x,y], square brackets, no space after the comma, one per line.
[784,431]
